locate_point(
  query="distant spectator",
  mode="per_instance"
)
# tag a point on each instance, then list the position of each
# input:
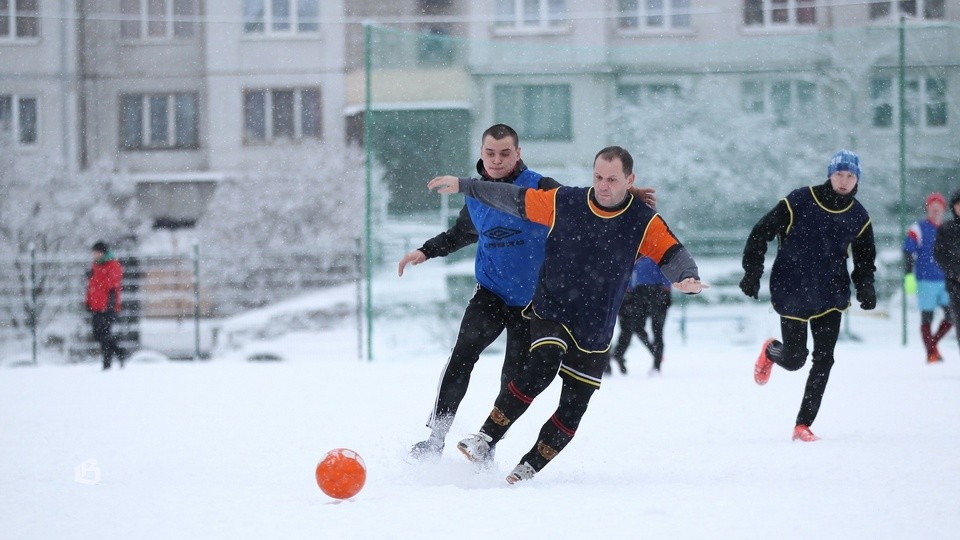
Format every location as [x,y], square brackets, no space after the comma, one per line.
[103,300]
[921,269]
[947,254]
[648,297]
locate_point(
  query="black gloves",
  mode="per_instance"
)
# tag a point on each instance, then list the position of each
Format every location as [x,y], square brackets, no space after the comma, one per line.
[750,285]
[867,296]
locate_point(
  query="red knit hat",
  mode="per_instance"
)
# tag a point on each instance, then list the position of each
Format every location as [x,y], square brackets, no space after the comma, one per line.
[935,197]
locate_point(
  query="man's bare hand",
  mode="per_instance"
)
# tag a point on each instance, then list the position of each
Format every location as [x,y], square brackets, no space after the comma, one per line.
[645,194]
[415,257]
[445,185]
[690,285]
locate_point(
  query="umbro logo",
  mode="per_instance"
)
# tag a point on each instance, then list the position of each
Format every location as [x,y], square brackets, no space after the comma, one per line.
[499,233]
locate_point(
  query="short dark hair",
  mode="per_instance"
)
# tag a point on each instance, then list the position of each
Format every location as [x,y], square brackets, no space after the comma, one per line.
[100,246]
[499,131]
[615,152]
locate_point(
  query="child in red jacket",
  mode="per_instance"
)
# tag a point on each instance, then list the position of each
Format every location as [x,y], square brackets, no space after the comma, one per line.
[103,300]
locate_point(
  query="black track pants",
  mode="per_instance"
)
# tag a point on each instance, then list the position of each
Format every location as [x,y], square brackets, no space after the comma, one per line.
[103,334]
[484,319]
[826,331]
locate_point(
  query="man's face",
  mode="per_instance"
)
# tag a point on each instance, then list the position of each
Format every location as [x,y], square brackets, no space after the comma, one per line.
[96,254]
[843,182]
[499,157]
[935,212]
[609,183]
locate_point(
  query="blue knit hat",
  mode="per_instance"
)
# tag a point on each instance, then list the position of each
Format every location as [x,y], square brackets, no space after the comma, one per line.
[844,160]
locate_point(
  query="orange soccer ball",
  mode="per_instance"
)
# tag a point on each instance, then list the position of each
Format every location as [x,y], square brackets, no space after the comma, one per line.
[341,473]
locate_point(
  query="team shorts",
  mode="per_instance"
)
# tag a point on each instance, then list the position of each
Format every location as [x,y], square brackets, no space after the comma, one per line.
[931,295]
[575,364]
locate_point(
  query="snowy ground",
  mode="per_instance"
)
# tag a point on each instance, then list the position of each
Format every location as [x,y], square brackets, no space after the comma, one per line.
[226,448]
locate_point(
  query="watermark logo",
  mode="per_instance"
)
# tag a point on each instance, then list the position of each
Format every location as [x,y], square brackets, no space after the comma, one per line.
[87,473]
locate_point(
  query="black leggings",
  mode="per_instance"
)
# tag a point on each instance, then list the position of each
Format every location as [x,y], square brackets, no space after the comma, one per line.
[545,361]
[646,301]
[484,319]
[103,334]
[953,290]
[826,331]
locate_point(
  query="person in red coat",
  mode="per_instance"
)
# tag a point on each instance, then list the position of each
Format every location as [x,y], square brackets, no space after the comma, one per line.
[103,300]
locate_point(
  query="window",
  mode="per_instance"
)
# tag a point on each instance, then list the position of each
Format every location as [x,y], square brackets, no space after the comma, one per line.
[784,99]
[531,14]
[926,9]
[649,94]
[779,13]
[18,117]
[19,19]
[281,16]
[540,112]
[155,121]
[435,48]
[925,102]
[654,14]
[281,114]
[157,19]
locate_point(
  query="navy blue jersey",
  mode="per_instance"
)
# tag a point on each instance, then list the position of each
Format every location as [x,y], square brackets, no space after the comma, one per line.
[589,262]
[809,276]
[510,249]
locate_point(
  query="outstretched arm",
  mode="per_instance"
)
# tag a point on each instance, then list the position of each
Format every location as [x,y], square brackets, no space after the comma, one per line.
[462,234]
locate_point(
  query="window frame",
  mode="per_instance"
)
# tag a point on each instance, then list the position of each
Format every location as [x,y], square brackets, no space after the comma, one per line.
[528,94]
[894,11]
[918,107]
[516,24]
[16,122]
[268,113]
[269,21]
[766,100]
[146,125]
[640,15]
[13,16]
[792,8]
[171,20]
[643,93]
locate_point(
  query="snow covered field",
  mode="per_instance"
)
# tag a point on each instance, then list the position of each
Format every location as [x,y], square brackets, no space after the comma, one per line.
[226,448]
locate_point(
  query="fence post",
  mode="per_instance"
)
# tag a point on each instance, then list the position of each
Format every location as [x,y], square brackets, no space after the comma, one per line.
[358,273]
[196,301]
[33,303]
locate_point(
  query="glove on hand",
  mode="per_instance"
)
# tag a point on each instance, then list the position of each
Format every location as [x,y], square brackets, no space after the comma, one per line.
[867,296]
[750,285]
[910,283]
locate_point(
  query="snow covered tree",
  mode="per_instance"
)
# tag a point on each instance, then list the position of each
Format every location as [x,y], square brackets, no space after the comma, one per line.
[284,224]
[59,215]
[714,165]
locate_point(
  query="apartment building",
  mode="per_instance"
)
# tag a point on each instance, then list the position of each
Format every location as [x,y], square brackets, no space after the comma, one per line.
[174,94]
[596,63]
[178,94]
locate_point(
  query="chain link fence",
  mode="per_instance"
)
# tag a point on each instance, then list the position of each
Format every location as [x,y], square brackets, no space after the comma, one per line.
[172,303]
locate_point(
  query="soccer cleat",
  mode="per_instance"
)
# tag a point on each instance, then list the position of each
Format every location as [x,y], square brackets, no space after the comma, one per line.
[803,433]
[764,365]
[523,471]
[429,450]
[477,448]
[654,372]
[934,356]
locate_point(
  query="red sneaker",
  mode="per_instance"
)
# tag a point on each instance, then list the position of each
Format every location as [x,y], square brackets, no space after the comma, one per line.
[803,433]
[763,367]
[934,357]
